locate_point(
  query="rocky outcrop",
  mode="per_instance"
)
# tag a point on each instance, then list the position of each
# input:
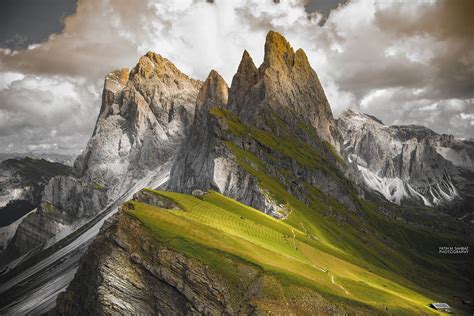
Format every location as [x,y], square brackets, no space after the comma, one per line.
[21,184]
[144,117]
[268,110]
[24,178]
[194,166]
[285,83]
[140,126]
[409,163]
[148,197]
[291,88]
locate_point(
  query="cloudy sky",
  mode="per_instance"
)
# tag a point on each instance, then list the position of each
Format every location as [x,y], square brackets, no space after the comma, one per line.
[406,62]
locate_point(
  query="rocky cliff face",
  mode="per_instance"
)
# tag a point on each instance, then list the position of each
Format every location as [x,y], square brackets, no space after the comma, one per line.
[164,281]
[288,86]
[195,161]
[265,113]
[409,163]
[24,178]
[21,184]
[285,84]
[144,117]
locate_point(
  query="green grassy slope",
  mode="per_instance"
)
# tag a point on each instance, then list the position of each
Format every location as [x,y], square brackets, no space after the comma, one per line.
[355,257]
[367,238]
[281,247]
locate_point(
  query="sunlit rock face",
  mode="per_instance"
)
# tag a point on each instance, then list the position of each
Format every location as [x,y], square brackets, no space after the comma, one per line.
[408,163]
[283,99]
[285,83]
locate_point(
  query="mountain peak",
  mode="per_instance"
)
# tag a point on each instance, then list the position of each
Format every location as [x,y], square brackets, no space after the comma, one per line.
[244,79]
[247,73]
[154,65]
[354,117]
[274,41]
[214,91]
[246,55]
[278,53]
[246,63]
[288,85]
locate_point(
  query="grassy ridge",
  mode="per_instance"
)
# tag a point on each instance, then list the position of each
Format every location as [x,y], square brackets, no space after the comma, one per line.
[367,239]
[224,226]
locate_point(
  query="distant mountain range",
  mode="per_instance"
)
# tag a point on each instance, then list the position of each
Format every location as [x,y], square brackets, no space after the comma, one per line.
[248,199]
[410,164]
[61,158]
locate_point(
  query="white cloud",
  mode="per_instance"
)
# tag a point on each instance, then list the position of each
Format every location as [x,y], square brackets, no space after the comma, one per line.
[47,113]
[361,61]
[7,78]
[469,117]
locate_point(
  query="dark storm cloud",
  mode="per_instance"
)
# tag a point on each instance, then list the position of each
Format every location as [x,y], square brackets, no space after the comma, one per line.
[396,72]
[449,23]
[445,19]
[95,41]
[26,22]
[323,7]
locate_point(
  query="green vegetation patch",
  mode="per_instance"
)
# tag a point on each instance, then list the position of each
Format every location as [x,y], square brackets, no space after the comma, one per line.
[98,186]
[216,228]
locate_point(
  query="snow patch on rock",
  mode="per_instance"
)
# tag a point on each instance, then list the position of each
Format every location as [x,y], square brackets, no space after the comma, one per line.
[393,189]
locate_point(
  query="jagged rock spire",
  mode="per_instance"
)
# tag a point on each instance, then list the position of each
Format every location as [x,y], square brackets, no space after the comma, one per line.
[213,93]
[284,85]
[279,54]
[194,165]
[242,83]
[246,76]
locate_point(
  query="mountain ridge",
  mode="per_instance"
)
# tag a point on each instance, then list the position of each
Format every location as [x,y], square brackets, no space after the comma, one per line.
[409,163]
